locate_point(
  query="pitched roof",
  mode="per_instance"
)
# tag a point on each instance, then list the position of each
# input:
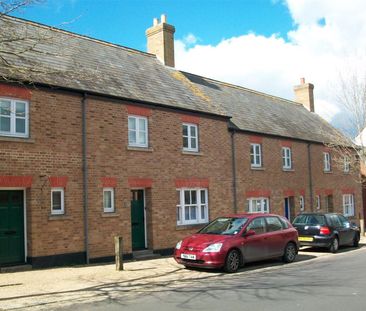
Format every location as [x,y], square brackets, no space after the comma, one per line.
[65,59]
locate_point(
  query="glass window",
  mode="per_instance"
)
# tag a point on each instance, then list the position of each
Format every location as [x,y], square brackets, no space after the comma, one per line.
[318,201]
[302,203]
[137,131]
[327,166]
[258,205]
[346,164]
[225,226]
[13,118]
[255,155]
[192,206]
[57,201]
[273,224]
[108,200]
[258,225]
[286,158]
[348,205]
[190,137]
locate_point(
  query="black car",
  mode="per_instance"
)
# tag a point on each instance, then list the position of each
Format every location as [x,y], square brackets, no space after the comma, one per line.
[329,230]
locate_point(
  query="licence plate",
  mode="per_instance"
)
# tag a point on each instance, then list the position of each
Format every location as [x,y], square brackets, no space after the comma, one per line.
[306,239]
[188,256]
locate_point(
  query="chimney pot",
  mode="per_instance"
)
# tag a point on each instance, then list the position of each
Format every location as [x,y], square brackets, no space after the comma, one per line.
[302,80]
[163,18]
[155,21]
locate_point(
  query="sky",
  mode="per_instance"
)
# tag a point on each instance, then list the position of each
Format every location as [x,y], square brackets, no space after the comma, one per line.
[266,45]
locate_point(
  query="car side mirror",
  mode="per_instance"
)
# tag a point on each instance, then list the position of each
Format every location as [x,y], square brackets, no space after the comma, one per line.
[249,233]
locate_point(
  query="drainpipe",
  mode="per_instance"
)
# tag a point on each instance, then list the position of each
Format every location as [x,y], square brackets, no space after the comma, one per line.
[310,178]
[85,177]
[233,161]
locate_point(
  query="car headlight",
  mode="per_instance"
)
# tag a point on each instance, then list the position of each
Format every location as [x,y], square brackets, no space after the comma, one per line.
[179,244]
[213,248]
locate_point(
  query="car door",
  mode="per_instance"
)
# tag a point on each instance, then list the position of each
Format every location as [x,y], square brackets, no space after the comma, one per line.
[255,247]
[276,236]
[347,231]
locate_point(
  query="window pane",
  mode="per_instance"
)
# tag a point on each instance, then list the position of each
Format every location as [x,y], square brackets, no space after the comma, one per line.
[185,142]
[20,125]
[186,213]
[193,131]
[20,109]
[131,123]
[142,124]
[132,137]
[187,197]
[107,199]
[194,197]
[5,108]
[185,130]
[193,143]
[179,211]
[203,212]
[142,138]
[56,200]
[5,124]
[203,196]
[193,212]
[252,159]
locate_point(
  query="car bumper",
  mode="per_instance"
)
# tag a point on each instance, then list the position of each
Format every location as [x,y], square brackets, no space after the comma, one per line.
[203,260]
[318,241]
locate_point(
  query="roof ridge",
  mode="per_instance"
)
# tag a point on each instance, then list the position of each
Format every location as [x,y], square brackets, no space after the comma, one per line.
[235,86]
[74,34]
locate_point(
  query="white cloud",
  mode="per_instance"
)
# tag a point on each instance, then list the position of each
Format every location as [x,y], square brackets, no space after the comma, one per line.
[328,36]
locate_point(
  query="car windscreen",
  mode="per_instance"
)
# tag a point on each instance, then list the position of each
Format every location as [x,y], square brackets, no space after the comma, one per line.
[310,220]
[225,226]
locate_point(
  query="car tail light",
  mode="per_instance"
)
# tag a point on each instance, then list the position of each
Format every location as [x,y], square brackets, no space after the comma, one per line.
[324,230]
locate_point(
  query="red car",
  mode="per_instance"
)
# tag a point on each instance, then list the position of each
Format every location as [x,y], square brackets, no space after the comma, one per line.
[229,242]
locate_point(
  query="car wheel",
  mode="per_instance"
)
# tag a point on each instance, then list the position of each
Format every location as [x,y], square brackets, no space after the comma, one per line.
[290,253]
[333,248]
[232,261]
[356,240]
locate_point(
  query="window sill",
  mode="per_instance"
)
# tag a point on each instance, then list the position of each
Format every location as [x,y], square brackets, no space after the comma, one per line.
[327,172]
[144,149]
[187,227]
[110,214]
[253,168]
[17,139]
[58,217]
[193,153]
[288,170]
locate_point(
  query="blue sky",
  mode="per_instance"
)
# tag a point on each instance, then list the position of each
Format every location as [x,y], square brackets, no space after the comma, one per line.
[125,21]
[266,45]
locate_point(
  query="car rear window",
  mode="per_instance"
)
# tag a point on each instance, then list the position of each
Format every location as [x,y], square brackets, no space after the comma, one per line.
[311,220]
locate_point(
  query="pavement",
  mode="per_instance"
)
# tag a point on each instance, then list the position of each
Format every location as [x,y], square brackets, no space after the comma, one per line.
[49,289]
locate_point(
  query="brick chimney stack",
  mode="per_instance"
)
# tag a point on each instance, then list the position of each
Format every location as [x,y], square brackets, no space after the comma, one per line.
[304,94]
[160,40]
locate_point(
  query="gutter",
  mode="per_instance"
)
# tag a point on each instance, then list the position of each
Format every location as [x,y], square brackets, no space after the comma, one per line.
[233,166]
[85,177]
[310,178]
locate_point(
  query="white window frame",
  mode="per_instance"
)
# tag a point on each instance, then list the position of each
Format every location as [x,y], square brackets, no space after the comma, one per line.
[190,137]
[348,205]
[62,210]
[346,164]
[286,158]
[182,206]
[111,208]
[138,131]
[256,155]
[263,201]
[302,202]
[326,159]
[13,118]
[318,202]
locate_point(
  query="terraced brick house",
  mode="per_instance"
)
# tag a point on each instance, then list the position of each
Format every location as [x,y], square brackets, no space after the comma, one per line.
[99,140]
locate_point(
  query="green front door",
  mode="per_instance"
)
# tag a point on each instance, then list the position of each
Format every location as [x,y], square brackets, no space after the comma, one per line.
[138,220]
[11,226]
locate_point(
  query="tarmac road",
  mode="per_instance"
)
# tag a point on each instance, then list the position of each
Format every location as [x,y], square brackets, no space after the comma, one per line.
[317,280]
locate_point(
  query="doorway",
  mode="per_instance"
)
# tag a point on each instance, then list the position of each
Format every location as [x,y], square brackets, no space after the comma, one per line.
[289,207]
[11,227]
[138,219]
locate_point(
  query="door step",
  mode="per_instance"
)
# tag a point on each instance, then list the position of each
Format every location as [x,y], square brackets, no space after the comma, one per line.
[19,268]
[144,255]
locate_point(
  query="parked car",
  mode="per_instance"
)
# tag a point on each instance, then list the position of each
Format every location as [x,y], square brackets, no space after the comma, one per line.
[329,230]
[229,242]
